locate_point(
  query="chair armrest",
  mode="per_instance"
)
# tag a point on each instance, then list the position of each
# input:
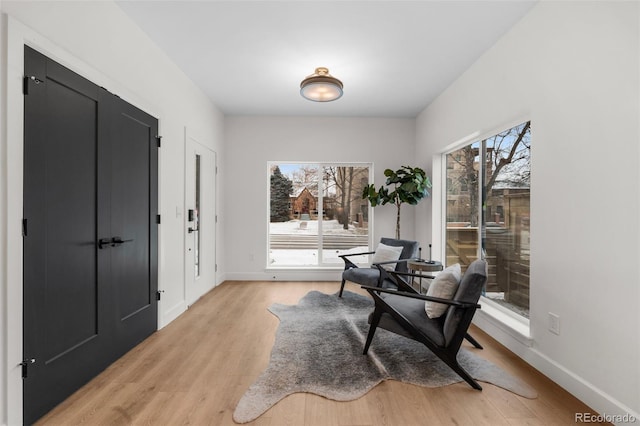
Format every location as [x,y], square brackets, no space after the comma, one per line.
[355,254]
[388,262]
[348,264]
[409,274]
[422,297]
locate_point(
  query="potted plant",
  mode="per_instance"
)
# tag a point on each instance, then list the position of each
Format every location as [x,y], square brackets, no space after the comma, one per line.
[405,185]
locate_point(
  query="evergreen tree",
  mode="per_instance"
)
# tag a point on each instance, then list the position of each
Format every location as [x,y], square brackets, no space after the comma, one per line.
[281,189]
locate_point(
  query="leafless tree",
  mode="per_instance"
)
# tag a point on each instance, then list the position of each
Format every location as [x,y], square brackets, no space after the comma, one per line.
[508,152]
[343,179]
[507,162]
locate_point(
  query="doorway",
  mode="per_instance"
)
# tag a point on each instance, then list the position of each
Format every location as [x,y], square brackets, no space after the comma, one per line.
[201,218]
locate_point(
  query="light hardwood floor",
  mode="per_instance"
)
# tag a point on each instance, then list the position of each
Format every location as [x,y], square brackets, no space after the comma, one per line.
[195,370]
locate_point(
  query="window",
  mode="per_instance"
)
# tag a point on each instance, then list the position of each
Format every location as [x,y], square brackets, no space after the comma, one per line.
[316,213]
[196,219]
[488,214]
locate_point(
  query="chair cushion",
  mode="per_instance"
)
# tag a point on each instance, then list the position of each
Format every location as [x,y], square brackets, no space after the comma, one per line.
[444,286]
[469,291]
[413,311]
[385,253]
[362,276]
[410,250]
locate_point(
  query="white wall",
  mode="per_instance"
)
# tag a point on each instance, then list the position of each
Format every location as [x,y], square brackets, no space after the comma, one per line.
[572,68]
[98,41]
[253,141]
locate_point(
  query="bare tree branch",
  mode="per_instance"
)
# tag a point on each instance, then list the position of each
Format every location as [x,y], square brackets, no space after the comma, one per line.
[504,161]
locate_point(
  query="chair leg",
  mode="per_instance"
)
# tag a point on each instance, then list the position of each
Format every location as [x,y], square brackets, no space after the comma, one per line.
[377,313]
[341,288]
[473,341]
[463,373]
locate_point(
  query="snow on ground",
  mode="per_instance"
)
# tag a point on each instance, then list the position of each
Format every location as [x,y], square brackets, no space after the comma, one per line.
[301,257]
[310,227]
[309,257]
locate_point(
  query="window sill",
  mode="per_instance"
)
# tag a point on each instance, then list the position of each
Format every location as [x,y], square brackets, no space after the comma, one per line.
[494,317]
[305,268]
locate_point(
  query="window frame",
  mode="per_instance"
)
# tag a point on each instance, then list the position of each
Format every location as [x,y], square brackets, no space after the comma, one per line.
[439,217]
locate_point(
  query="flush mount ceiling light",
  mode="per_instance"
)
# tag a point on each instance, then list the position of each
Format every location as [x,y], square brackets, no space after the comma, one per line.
[321,86]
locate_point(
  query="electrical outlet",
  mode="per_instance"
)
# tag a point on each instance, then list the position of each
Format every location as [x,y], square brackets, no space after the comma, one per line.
[554,323]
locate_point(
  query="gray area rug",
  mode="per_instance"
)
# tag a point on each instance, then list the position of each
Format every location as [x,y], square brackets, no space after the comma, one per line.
[318,349]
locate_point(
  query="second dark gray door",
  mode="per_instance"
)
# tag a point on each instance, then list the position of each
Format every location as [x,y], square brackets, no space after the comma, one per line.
[133,212]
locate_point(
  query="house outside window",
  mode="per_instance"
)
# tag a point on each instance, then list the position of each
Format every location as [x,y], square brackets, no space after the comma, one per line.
[488,213]
[316,213]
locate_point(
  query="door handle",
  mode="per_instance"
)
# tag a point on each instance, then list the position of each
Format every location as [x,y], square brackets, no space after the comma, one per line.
[104,242]
[116,241]
[111,242]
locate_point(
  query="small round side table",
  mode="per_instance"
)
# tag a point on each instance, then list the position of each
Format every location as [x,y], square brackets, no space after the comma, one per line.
[420,266]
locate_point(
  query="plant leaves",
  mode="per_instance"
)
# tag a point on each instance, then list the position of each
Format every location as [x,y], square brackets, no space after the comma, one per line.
[409,186]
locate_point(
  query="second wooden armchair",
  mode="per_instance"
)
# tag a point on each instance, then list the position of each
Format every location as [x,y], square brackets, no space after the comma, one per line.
[378,276]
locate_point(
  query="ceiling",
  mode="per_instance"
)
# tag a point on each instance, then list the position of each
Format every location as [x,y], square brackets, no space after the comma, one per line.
[394,57]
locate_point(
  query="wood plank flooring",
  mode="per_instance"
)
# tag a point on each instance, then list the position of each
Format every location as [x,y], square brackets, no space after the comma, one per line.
[194,371]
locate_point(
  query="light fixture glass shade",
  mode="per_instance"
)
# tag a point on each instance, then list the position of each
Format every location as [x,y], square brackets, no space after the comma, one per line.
[321,86]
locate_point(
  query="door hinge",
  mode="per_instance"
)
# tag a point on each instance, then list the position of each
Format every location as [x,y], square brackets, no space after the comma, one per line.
[158,294]
[158,219]
[25,83]
[24,227]
[25,366]
[216,218]
[159,139]
[216,267]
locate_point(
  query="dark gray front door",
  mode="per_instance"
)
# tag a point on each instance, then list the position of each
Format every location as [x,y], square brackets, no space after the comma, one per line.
[90,244]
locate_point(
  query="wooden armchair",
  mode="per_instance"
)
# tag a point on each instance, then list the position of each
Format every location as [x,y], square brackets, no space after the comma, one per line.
[403,312]
[377,275]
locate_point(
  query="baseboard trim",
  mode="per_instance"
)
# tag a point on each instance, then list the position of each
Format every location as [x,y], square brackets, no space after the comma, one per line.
[524,347]
[286,275]
[173,313]
[598,400]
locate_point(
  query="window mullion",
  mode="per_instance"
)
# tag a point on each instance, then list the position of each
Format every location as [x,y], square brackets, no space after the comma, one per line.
[320,209]
[482,195]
